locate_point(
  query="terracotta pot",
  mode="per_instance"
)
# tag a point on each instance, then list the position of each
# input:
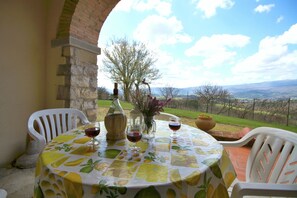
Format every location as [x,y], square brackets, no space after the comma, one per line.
[205,123]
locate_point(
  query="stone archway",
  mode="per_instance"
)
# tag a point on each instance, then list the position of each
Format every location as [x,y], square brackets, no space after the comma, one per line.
[77,35]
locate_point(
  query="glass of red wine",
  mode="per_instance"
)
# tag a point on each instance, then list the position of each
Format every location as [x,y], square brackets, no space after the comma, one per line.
[134,134]
[92,133]
[174,125]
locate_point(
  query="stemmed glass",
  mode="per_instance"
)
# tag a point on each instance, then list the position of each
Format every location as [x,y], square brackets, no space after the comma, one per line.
[134,134]
[174,125]
[92,133]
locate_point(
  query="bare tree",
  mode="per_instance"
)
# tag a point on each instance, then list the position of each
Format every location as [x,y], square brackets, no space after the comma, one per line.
[224,104]
[272,110]
[242,108]
[129,63]
[210,93]
[102,92]
[169,92]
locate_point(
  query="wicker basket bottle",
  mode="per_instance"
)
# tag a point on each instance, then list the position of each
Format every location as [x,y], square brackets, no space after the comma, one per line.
[115,120]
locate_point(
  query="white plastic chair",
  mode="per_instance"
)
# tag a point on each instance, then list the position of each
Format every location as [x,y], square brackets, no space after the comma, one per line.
[3,193]
[44,125]
[272,163]
[164,116]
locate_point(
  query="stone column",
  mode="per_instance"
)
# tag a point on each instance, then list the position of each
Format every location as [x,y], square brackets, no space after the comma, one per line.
[80,71]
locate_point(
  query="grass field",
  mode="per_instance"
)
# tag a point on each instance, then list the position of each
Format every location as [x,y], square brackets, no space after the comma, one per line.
[224,123]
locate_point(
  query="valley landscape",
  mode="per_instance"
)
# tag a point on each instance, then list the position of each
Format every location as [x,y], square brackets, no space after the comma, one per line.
[265,90]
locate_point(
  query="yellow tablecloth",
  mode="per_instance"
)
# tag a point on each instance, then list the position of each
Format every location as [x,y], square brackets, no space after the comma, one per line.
[195,165]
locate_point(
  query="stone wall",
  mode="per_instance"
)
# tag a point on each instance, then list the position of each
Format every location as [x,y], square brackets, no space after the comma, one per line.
[77,35]
[80,88]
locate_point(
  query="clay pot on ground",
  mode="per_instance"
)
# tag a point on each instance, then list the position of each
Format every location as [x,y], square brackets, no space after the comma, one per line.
[205,122]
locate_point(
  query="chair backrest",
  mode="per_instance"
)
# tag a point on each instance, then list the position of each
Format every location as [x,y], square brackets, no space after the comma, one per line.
[44,125]
[273,157]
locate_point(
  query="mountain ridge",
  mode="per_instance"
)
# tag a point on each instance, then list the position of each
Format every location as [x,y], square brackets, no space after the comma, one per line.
[262,90]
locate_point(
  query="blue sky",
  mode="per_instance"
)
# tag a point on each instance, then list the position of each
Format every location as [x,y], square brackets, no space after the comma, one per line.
[219,42]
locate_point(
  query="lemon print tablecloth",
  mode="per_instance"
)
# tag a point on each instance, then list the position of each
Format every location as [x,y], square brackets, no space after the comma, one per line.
[195,165]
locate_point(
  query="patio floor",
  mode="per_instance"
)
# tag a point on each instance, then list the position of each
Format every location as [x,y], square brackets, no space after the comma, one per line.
[238,155]
[238,158]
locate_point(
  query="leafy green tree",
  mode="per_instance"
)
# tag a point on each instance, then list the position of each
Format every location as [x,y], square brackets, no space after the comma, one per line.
[129,63]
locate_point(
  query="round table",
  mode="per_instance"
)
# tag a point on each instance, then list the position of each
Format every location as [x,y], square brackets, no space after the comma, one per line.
[195,165]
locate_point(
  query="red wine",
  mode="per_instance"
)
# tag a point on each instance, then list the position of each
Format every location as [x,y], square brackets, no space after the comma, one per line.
[174,126]
[92,132]
[134,136]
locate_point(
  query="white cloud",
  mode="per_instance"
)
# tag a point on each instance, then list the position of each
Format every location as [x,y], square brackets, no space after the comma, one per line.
[264,8]
[158,30]
[180,72]
[209,8]
[216,49]
[125,5]
[273,61]
[162,7]
[102,77]
[279,19]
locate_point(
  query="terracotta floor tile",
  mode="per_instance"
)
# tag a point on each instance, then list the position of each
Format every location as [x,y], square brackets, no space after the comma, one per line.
[239,157]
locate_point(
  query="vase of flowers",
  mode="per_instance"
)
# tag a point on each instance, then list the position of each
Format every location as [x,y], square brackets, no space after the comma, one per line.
[149,128]
[149,106]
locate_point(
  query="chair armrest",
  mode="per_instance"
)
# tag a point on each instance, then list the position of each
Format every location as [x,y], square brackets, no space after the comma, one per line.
[38,138]
[241,142]
[83,118]
[237,143]
[241,189]
[85,121]
[168,114]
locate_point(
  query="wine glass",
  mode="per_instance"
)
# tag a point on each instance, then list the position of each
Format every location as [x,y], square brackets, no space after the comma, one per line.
[92,133]
[174,125]
[134,134]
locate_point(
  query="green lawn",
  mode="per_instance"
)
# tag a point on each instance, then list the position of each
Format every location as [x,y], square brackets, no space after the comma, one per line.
[225,120]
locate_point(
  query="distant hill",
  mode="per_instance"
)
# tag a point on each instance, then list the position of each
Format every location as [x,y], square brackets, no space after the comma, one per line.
[263,90]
